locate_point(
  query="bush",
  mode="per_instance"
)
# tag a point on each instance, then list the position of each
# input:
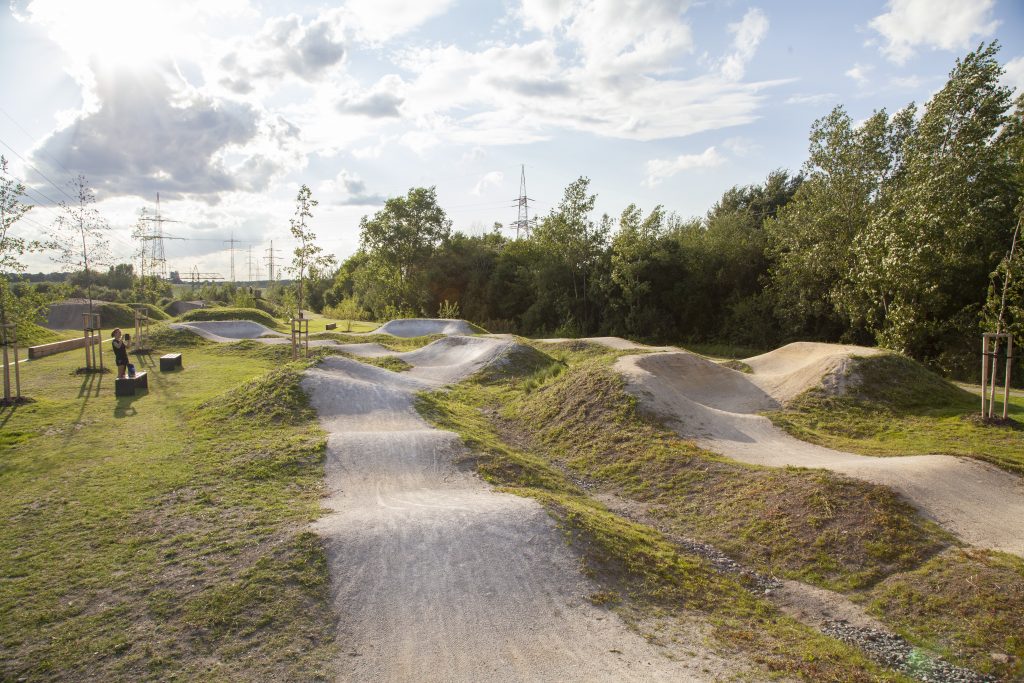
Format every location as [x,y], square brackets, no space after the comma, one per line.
[205,314]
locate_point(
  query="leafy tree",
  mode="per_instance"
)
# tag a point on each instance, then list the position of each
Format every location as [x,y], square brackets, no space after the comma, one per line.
[79,234]
[22,308]
[929,254]
[568,246]
[811,241]
[399,240]
[308,260]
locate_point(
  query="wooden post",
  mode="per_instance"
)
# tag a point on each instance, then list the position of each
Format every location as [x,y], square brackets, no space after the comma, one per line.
[87,336]
[7,370]
[1006,385]
[295,351]
[993,373]
[984,373]
[17,371]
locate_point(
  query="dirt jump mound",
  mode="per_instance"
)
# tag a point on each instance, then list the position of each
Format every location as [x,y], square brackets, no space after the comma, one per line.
[228,330]
[419,327]
[717,407]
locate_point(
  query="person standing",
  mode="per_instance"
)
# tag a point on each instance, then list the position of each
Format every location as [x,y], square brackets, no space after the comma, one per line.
[120,353]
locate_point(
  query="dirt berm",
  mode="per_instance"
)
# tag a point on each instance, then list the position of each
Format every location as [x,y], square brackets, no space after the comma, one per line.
[717,407]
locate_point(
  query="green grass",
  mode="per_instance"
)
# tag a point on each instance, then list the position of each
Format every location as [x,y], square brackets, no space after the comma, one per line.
[899,408]
[966,604]
[525,440]
[163,535]
[723,351]
[253,314]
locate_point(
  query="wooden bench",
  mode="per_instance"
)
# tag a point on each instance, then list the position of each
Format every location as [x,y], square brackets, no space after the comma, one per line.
[170,361]
[332,326]
[126,386]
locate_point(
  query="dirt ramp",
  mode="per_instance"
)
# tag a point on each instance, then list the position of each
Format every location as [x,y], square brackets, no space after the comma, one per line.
[450,359]
[420,327]
[228,330]
[684,374]
[787,372]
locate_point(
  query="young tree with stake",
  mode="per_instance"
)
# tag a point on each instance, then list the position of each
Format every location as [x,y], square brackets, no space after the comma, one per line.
[309,259]
[79,234]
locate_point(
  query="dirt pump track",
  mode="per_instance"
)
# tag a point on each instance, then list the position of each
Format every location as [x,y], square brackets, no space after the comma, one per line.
[435,575]
[717,407]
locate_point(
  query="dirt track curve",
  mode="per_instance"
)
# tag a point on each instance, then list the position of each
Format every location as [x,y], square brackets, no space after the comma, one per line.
[716,406]
[436,576]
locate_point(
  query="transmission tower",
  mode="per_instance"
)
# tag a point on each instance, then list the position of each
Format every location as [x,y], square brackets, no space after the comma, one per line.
[158,257]
[524,223]
[233,242]
[270,258]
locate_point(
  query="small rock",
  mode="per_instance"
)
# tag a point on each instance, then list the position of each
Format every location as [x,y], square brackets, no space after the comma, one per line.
[999,657]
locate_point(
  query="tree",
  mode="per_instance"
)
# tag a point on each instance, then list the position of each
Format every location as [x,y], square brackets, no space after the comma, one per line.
[308,258]
[399,240]
[568,245]
[811,242]
[929,253]
[79,233]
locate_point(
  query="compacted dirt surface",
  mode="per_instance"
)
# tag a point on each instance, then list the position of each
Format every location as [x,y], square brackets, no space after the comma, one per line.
[435,575]
[717,406]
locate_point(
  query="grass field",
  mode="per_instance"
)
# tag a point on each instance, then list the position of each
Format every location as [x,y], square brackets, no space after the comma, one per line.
[163,536]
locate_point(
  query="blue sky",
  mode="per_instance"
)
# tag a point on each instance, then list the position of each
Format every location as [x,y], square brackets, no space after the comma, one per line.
[226,107]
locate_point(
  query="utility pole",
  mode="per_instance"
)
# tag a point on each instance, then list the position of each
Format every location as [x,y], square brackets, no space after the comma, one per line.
[269,258]
[523,223]
[232,242]
[250,265]
[159,256]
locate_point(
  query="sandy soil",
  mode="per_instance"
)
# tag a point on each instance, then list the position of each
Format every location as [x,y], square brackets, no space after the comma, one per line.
[436,576]
[715,405]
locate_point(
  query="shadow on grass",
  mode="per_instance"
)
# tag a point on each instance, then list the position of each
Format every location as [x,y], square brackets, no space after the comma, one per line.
[124,407]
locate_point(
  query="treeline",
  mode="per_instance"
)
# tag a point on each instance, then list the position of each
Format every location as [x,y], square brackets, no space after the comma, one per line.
[895,232]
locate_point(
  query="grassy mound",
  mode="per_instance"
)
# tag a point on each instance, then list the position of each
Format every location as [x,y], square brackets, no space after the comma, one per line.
[275,397]
[207,314]
[899,384]
[154,312]
[894,406]
[269,308]
[967,601]
[520,363]
[30,334]
[116,315]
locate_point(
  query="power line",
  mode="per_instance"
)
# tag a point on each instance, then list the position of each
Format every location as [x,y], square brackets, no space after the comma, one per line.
[29,136]
[40,173]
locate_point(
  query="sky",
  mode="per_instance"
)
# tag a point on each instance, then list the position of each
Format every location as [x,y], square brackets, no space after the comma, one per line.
[227,108]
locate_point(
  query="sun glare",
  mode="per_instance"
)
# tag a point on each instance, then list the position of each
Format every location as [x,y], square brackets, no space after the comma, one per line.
[114,32]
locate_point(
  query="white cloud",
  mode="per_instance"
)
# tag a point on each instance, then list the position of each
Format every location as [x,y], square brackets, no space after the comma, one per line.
[748,34]
[348,189]
[470,97]
[740,146]
[660,169]
[1014,76]
[377,21]
[492,179]
[152,133]
[817,98]
[544,15]
[945,24]
[859,73]
[380,101]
